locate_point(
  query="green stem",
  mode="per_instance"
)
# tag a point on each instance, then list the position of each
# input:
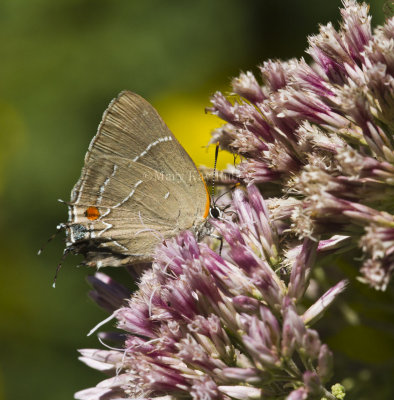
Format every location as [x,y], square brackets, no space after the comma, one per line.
[328,394]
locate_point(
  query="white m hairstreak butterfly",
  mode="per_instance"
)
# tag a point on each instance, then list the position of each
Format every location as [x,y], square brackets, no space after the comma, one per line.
[138,187]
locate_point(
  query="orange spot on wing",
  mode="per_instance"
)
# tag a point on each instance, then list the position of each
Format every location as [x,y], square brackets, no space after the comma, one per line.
[92,213]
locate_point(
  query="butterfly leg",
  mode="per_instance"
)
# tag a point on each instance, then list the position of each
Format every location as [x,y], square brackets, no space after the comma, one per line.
[220,238]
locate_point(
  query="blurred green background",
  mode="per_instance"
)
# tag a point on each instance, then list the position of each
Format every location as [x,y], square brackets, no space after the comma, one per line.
[61,63]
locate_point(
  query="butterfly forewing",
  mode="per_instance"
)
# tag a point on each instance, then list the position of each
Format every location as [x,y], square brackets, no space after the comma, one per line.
[138,187]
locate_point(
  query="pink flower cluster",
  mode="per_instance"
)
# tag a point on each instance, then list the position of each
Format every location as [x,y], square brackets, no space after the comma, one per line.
[210,326]
[322,136]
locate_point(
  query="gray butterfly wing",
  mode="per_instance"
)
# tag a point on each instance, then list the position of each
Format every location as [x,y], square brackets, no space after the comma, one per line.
[138,187]
[131,128]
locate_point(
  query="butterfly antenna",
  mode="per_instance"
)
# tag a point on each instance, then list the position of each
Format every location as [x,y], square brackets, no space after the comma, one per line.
[235,159]
[214,173]
[228,191]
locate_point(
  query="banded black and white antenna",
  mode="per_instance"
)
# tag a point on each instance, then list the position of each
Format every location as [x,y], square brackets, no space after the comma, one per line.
[214,211]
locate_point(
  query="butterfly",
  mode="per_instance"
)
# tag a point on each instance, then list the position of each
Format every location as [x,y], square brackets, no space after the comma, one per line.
[138,187]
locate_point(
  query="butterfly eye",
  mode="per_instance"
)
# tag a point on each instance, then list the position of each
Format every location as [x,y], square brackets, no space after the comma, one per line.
[214,212]
[92,213]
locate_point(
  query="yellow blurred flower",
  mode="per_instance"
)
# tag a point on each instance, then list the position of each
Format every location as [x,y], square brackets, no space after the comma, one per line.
[186,118]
